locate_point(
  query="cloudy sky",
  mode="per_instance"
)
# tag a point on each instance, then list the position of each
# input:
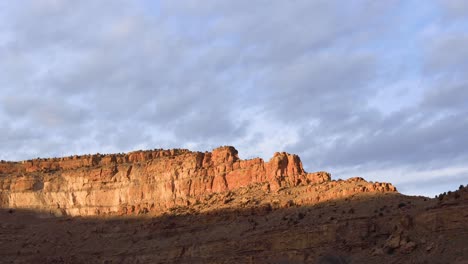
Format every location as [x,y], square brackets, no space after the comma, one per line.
[371,88]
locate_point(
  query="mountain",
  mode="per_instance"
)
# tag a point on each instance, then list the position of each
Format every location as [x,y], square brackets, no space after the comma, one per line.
[179,206]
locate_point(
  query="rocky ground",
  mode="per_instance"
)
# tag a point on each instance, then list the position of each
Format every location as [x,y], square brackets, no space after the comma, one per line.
[383,228]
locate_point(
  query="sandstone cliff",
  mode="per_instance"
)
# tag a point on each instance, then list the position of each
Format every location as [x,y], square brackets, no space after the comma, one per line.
[154,182]
[192,207]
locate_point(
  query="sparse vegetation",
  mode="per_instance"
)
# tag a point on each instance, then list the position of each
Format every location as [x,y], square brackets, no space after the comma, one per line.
[441,196]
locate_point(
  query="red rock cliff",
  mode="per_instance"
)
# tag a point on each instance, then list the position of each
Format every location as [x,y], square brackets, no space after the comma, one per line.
[152,181]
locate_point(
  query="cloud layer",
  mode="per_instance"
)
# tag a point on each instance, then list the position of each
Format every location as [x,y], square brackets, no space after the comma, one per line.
[372,88]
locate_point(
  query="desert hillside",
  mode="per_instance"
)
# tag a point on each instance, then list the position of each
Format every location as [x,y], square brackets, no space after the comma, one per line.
[179,206]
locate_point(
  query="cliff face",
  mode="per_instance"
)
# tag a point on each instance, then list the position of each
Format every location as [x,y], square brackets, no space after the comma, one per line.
[156,181]
[213,207]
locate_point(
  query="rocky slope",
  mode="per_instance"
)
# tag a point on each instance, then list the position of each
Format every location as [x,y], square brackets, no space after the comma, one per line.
[177,206]
[153,182]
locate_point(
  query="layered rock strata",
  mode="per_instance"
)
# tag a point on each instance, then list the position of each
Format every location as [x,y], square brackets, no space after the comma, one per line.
[155,182]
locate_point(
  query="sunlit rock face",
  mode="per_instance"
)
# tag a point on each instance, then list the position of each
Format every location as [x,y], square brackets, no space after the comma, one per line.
[153,182]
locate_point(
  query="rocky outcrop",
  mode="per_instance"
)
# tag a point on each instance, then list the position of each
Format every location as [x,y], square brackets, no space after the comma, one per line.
[155,181]
[213,207]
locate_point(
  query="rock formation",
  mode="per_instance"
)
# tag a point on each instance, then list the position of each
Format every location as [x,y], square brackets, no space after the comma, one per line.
[154,181]
[178,206]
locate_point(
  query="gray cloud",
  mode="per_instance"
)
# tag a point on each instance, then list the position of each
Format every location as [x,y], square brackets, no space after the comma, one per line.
[126,68]
[447,53]
[47,112]
[303,76]
[409,141]
[315,84]
[448,96]
[454,8]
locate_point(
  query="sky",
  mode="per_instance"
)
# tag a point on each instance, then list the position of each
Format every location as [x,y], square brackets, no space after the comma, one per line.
[377,89]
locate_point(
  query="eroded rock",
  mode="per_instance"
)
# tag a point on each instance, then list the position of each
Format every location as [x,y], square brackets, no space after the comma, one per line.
[152,182]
